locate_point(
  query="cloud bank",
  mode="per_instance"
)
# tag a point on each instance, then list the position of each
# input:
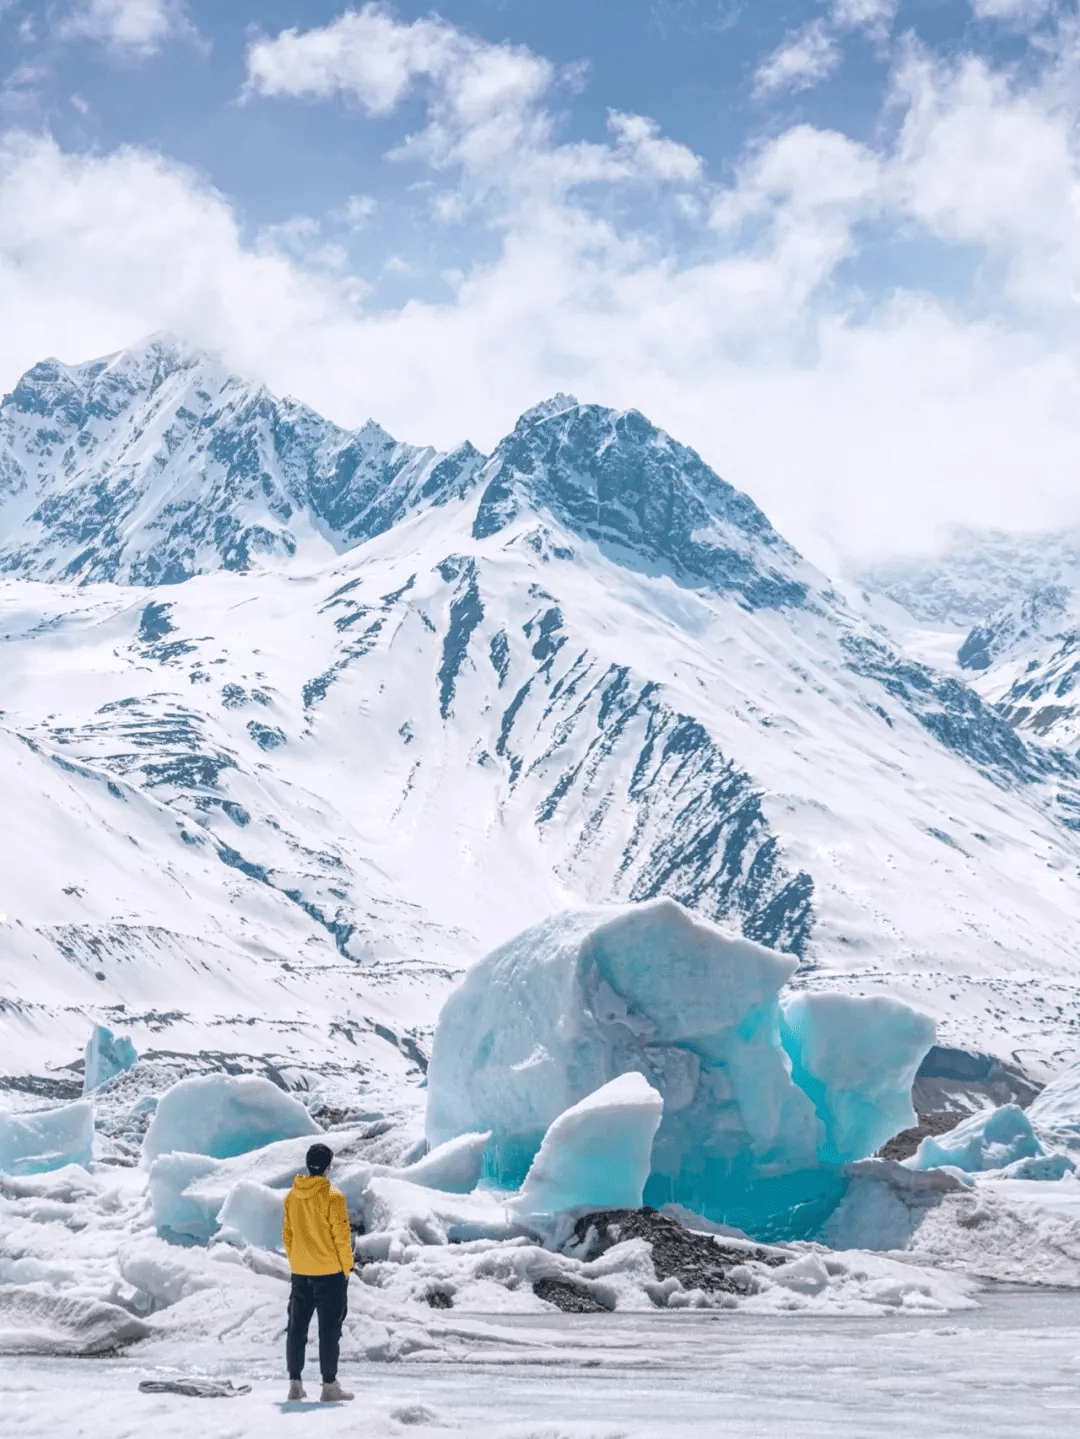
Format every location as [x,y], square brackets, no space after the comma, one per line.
[862,415]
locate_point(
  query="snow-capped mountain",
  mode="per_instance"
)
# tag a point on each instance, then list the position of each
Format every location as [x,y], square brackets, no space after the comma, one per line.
[978,573]
[155,464]
[1003,611]
[403,705]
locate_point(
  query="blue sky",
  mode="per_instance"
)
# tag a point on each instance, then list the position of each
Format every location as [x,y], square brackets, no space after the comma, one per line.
[835,244]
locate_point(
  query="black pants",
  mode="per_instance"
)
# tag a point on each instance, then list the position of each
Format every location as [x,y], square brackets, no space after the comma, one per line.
[328,1296]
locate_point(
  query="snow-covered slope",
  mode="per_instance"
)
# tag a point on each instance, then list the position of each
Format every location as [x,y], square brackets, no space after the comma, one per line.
[1003,611]
[277,807]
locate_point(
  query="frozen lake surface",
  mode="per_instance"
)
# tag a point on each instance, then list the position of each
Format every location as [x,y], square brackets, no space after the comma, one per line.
[1009,1369]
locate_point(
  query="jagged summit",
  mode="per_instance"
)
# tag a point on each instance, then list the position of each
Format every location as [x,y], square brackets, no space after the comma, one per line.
[154,464]
[616,479]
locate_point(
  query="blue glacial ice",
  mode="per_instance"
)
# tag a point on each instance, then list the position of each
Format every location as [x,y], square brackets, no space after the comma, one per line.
[988,1139]
[596,1154]
[47,1139]
[107,1055]
[587,996]
[221,1115]
[856,1059]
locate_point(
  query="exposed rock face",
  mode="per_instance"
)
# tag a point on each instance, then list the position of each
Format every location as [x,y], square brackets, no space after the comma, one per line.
[697,1261]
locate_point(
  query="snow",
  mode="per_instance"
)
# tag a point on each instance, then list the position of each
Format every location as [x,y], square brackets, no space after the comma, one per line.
[989,1139]
[1007,1371]
[567,1006]
[596,1154]
[106,1056]
[222,1115]
[36,1321]
[604,731]
[33,1143]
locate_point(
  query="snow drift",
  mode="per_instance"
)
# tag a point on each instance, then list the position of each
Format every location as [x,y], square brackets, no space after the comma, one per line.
[746,1136]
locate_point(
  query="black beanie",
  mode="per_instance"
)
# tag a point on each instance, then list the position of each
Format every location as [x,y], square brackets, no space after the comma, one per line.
[319,1158]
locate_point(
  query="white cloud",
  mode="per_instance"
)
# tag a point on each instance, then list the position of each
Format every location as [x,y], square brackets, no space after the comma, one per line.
[134,27]
[984,163]
[867,422]
[486,115]
[805,58]
[875,16]
[1020,12]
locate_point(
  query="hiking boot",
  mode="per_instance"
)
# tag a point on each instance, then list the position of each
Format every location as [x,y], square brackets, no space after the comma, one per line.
[296,1391]
[334,1394]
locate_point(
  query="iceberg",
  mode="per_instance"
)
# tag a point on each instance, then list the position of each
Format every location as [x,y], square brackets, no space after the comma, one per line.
[47,1139]
[222,1115]
[597,1153]
[106,1056]
[856,1059]
[587,996]
[989,1139]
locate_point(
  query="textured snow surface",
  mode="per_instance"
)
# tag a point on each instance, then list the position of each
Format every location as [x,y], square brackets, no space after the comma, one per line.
[545,1021]
[1006,1371]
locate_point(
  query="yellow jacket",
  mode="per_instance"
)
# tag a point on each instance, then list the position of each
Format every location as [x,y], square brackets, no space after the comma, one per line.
[316,1228]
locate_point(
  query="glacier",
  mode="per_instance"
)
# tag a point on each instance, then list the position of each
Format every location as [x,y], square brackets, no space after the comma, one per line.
[549,1019]
[856,1058]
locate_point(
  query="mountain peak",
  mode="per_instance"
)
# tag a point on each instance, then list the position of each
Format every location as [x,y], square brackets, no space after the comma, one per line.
[614,478]
[546,409]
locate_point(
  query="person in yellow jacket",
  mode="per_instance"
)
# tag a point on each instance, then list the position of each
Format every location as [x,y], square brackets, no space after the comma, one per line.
[318,1242]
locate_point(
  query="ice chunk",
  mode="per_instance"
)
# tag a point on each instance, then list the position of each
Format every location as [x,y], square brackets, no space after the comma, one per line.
[47,1139]
[106,1056]
[856,1059]
[222,1115]
[252,1214]
[397,1214]
[587,996]
[597,1153]
[182,1214]
[989,1139]
[1056,1111]
[1045,1167]
[454,1166]
[33,1321]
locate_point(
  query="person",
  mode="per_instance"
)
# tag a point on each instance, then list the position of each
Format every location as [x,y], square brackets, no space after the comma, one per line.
[318,1242]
